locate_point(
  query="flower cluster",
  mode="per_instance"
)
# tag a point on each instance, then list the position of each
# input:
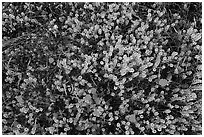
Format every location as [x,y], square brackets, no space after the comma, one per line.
[101,68]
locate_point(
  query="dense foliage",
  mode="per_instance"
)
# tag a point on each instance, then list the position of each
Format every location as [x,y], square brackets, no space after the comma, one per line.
[101,68]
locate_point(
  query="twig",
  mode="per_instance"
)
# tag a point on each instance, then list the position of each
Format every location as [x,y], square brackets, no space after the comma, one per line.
[65,89]
[93,81]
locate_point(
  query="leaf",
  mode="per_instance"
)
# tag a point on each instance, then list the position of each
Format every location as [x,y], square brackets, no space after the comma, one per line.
[197,81]
[157,62]
[19,99]
[88,98]
[163,82]
[199,67]
[131,118]
[96,98]
[197,87]
[197,37]
[168,111]
[96,113]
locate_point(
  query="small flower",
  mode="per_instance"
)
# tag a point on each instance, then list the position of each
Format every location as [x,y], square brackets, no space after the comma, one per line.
[55,27]
[131,70]
[127,132]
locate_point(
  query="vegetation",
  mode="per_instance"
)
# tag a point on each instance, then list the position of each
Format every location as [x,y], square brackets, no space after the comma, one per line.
[101,68]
